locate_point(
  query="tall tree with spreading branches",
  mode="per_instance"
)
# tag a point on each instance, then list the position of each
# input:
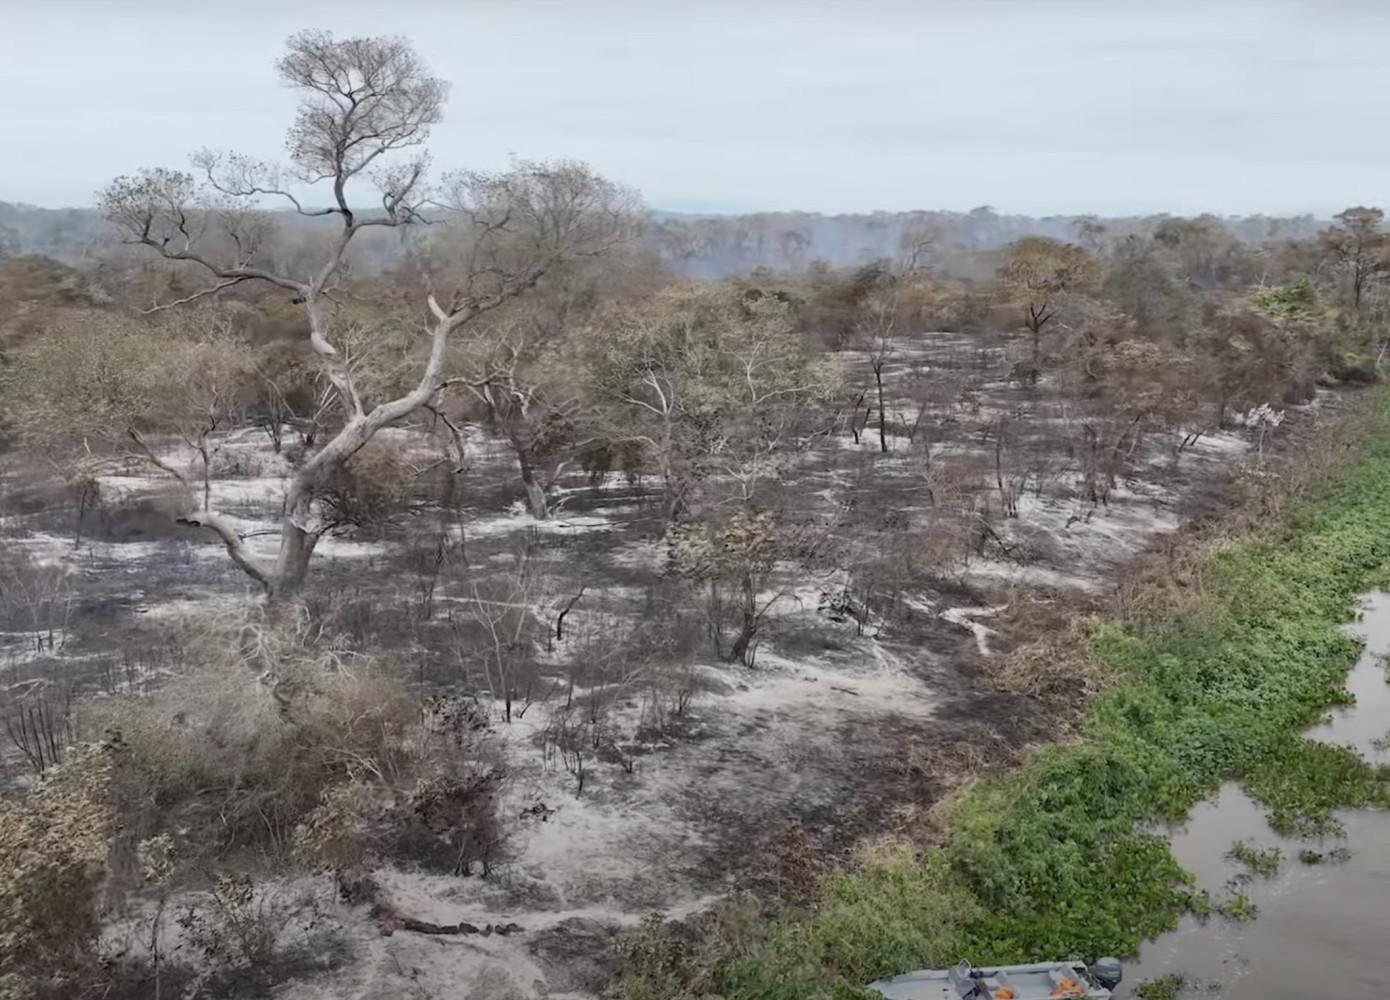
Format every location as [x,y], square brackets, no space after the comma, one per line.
[1040,274]
[367,108]
[1359,246]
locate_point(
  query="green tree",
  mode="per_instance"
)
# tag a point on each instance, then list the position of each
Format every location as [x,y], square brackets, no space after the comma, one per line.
[1209,256]
[1359,247]
[1041,274]
[705,379]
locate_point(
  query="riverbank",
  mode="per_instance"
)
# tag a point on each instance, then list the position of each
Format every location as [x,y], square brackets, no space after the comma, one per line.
[1234,649]
[1318,905]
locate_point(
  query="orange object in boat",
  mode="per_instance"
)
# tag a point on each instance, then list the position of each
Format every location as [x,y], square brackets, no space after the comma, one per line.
[1004,993]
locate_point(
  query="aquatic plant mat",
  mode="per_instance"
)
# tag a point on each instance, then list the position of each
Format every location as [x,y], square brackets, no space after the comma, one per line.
[1237,646]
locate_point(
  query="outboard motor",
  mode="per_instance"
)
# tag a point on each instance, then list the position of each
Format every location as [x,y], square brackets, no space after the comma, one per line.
[1107,972]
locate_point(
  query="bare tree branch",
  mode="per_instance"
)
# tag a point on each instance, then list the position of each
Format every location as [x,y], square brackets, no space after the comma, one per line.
[205,518]
[362,99]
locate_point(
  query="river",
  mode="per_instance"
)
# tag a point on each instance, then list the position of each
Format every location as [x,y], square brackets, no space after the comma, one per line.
[1321,929]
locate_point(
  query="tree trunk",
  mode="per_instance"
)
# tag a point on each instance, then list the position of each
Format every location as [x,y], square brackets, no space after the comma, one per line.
[675,487]
[741,650]
[536,501]
[882,413]
[299,530]
[292,563]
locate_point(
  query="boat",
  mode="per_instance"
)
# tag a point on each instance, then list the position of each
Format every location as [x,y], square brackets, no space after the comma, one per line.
[1039,981]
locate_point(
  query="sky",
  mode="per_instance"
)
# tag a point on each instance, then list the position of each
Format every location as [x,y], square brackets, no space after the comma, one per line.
[1030,106]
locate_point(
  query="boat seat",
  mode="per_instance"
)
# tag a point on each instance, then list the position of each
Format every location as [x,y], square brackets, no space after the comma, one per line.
[997,981]
[1061,972]
[961,983]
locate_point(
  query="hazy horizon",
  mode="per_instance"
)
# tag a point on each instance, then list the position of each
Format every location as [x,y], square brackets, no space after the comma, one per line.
[1057,108]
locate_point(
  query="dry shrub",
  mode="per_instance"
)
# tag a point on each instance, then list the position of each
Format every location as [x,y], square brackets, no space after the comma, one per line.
[34,598]
[342,605]
[1049,653]
[671,689]
[238,760]
[240,463]
[244,938]
[40,723]
[375,488]
[323,757]
[650,660]
[448,822]
[1302,465]
[1170,582]
[53,853]
[236,937]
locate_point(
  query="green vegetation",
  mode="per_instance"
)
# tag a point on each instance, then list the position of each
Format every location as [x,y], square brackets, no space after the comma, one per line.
[1172,986]
[1256,860]
[1237,906]
[1167,987]
[1055,859]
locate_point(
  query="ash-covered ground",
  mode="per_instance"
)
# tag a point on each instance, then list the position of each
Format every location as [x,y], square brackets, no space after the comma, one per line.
[699,769]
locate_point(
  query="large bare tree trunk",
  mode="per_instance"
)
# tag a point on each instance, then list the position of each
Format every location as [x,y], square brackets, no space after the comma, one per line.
[291,563]
[363,99]
[536,500]
[300,525]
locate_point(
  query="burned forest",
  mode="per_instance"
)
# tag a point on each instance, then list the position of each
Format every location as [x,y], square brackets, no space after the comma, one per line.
[429,585]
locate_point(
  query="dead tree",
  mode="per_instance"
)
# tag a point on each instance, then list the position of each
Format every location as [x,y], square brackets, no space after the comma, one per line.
[364,101]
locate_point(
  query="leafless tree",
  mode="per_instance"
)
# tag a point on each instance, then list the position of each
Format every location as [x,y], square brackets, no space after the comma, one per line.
[365,101]
[40,725]
[878,326]
[35,598]
[707,382]
[530,395]
[499,633]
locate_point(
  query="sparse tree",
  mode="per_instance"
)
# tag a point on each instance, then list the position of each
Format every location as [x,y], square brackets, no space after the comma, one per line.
[498,634]
[365,101]
[1209,255]
[1117,393]
[1091,234]
[705,380]
[1040,273]
[877,328]
[1359,246]
[1143,279]
[734,560]
[521,369]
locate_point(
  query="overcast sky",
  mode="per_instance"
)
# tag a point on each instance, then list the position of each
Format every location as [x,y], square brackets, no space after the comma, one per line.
[1031,106]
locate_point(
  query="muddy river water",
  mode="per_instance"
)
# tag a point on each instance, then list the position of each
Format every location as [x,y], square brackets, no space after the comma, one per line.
[1321,929]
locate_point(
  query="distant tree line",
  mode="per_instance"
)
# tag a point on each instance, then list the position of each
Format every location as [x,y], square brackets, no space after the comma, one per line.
[710,246]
